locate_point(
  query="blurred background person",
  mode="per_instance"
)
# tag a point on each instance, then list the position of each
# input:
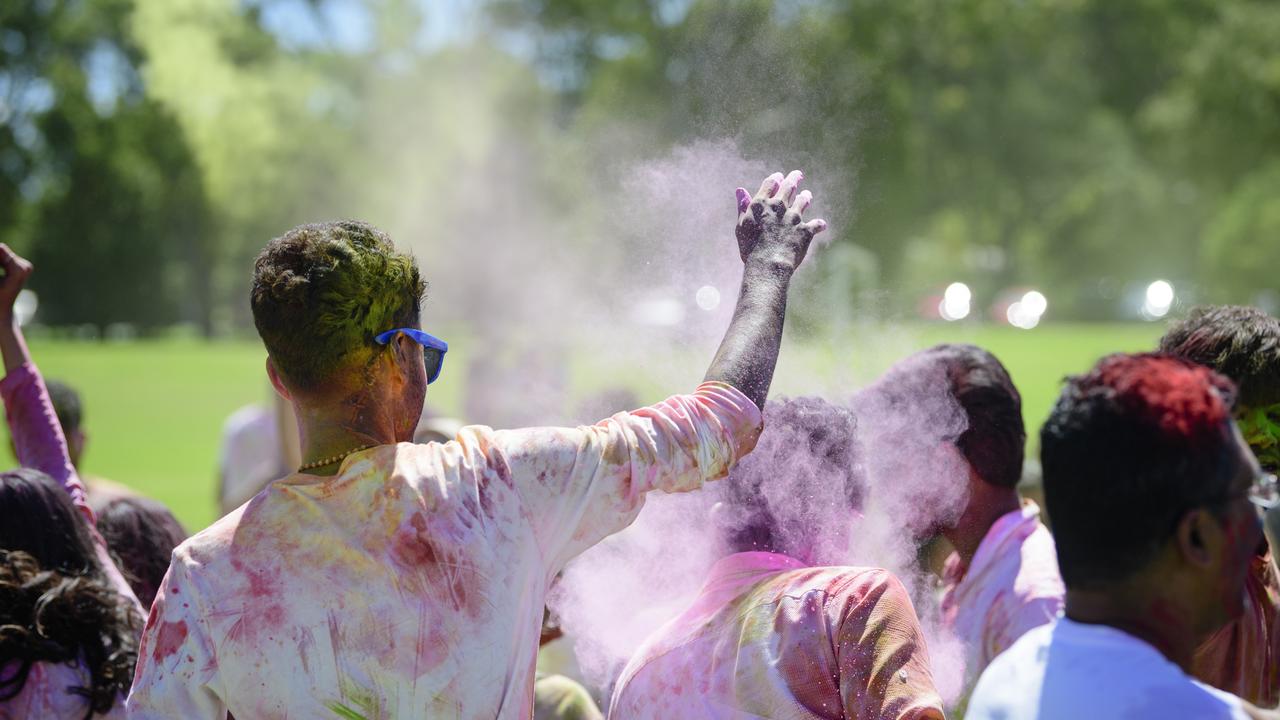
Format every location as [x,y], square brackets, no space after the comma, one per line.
[774,632]
[1154,496]
[69,408]
[259,444]
[141,534]
[1243,344]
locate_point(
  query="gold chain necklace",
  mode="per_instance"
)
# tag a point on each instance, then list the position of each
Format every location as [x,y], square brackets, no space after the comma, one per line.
[331,460]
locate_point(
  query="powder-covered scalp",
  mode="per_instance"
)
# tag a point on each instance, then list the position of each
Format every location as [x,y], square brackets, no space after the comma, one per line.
[804,474]
[321,292]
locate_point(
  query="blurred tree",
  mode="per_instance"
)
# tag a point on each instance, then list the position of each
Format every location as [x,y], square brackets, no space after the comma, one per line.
[114,213]
[1059,139]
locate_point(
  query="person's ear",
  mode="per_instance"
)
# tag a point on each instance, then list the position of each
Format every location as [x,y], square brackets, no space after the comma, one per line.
[406,356]
[276,381]
[1198,537]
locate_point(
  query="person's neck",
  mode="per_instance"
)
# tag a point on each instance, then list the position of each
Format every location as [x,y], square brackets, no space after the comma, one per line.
[987,504]
[335,430]
[1151,616]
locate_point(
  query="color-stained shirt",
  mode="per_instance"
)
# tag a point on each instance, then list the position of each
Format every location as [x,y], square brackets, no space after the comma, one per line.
[412,583]
[1243,658]
[769,637]
[1011,586]
[40,445]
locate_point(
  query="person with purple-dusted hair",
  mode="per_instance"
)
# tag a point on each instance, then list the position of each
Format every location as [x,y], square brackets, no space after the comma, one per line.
[778,630]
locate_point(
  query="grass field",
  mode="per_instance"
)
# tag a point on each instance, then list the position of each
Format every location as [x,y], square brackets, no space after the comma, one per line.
[154,409]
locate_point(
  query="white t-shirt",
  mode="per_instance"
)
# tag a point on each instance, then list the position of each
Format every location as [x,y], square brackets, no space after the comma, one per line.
[1070,670]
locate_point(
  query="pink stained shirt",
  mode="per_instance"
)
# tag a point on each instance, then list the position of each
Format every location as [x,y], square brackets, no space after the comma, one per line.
[412,583]
[1243,658]
[40,445]
[769,637]
[1011,586]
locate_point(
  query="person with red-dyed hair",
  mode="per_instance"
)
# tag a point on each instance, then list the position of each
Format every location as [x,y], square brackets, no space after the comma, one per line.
[1155,498]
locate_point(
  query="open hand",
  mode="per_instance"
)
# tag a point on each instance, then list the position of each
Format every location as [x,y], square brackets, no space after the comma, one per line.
[16,271]
[771,227]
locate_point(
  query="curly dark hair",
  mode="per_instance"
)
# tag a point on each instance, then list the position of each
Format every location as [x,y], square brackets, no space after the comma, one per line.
[805,470]
[142,534]
[1132,446]
[1238,341]
[321,293]
[56,605]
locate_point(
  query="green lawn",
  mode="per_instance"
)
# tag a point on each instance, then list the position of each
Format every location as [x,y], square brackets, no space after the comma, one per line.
[154,409]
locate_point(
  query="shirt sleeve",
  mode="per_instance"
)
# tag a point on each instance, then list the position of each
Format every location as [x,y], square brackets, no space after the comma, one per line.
[177,671]
[881,655]
[37,434]
[40,445]
[579,485]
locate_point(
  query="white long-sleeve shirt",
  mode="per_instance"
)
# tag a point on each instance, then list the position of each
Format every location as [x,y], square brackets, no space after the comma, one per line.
[412,583]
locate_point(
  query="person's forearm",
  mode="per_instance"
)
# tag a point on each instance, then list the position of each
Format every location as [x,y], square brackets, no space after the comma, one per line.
[12,345]
[749,352]
[33,424]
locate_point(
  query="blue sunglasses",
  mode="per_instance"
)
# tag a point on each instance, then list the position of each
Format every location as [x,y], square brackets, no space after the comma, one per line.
[433,349]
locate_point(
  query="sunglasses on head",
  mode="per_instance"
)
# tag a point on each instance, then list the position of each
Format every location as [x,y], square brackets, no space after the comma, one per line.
[433,349]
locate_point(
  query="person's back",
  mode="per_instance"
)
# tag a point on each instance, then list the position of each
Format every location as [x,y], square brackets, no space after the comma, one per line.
[1070,670]
[770,638]
[441,554]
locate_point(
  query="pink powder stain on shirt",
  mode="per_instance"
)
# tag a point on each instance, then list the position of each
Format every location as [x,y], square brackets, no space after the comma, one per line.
[169,639]
[441,573]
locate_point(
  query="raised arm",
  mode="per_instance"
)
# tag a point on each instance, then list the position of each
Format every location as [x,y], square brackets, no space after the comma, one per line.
[37,435]
[772,240]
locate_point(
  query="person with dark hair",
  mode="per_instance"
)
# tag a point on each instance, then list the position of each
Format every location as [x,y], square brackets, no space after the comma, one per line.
[1002,578]
[68,621]
[1154,496]
[1243,344]
[775,632]
[392,579]
[142,533]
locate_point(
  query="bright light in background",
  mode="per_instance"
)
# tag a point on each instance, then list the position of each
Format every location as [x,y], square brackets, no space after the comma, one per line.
[1158,301]
[24,308]
[955,303]
[707,297]
[1026,313]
